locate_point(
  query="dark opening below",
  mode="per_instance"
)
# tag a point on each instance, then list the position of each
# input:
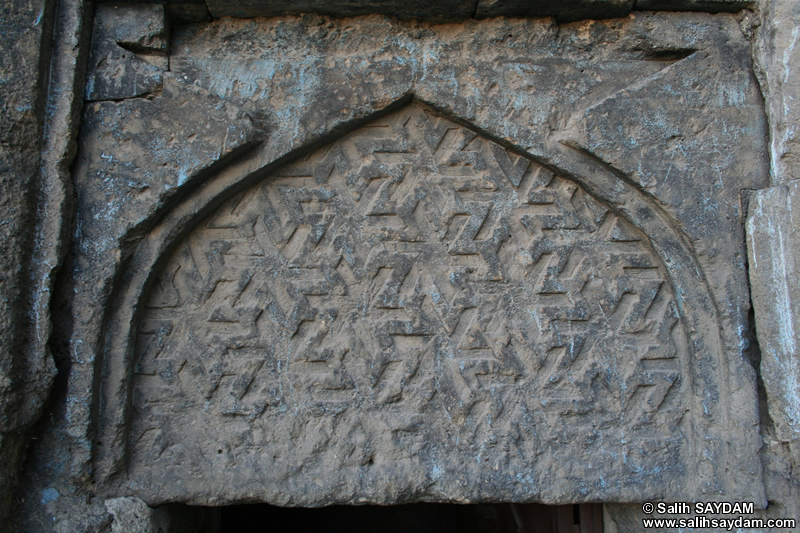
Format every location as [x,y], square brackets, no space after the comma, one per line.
[413,518]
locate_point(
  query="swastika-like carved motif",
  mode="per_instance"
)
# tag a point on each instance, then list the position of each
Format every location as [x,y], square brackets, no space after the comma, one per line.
[411,298]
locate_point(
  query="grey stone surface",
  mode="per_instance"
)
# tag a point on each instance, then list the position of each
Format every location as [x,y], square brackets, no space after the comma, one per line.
[778,62]
[308,80]
[128,53]
[773,239]
[780,474]
[140,28]
[132,515]
[441,11]
[562,11]
[709,6]
[145,165]
[656,117]
[141,151]
[25,375]
[772,243]
[397,313]
[43,43]
[445,10]
[137,156]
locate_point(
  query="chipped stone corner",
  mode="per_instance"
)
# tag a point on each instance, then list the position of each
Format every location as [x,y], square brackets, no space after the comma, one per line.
[132,515]
[128,55]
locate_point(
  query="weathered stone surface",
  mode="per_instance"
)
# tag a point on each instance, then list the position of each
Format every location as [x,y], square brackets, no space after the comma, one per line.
[777,52]
[128,54]
[140,28]
[448,10]
[773,239]
[132,515]
[43,43]
[114,195]
[141,151]
[20,127]
[25,376]
[222,286]
[409,9]
[308,80]
[187,12]
[632,130]
[137,155]
[780,475]
[709,6]
[399,312]
[562,11]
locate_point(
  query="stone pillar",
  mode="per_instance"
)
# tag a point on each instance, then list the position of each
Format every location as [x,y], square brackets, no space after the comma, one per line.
[24,36]
[44,44]
[773,245]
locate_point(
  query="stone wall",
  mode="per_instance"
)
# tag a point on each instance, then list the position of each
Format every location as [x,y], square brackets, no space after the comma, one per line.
[311,259]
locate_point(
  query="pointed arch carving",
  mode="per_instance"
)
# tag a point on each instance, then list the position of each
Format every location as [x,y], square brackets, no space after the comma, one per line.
[410,306]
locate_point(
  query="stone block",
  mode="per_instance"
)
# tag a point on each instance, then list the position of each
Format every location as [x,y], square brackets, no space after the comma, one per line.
[497,250]
[498,260]
[132,515]
[777,50]
[128,53]
[709,6]
[25,375]
[416,305]
[446,10]
[458,10]
[560,10]
[773,241]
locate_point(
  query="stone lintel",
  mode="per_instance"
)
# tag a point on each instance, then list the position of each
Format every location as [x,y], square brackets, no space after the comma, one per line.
[443,11]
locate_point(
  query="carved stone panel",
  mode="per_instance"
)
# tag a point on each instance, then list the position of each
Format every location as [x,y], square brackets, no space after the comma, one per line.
[413,312]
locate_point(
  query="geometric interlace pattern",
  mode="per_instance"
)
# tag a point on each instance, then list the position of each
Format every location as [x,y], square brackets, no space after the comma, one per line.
[418,273]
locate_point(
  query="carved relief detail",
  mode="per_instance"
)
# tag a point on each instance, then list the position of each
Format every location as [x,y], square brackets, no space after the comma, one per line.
[418,275]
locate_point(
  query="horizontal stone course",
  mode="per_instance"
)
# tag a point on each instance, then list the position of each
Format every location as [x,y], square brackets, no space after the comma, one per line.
[440,11]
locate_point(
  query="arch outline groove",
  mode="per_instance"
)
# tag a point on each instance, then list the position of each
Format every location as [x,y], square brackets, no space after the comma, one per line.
[705,369]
